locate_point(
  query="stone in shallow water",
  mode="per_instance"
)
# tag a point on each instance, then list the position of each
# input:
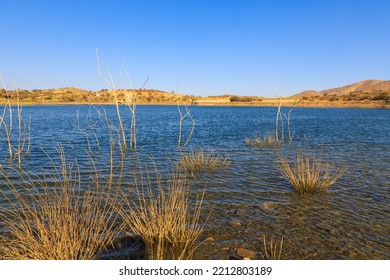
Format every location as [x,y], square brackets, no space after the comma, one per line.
[235,223]
[268,206]
[333,232]
[126,248]
[246,253]
[239,212]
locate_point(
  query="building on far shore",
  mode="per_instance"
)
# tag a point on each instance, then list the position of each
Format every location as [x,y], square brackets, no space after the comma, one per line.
[211,101]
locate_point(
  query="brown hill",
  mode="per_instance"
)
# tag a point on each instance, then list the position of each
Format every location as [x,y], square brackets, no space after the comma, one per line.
[75,95]
[367,86]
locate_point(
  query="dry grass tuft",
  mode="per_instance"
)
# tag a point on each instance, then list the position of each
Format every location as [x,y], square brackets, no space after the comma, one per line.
[271,250]
[309,174]
[200,161]
[56,219]
[269,140]
[161,215]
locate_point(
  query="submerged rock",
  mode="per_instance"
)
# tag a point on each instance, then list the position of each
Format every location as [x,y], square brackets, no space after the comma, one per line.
[126,248]
[235,224]
[246,253]
[239,212]
[268,206]
[333,232]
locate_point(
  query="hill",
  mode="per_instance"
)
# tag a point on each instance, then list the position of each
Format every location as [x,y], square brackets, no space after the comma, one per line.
[369,93]
[72,95]
[367,86]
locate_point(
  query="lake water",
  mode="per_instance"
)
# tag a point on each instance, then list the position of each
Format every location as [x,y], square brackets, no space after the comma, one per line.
[350,221]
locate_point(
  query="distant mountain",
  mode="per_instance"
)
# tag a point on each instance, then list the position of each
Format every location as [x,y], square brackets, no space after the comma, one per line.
[363,86]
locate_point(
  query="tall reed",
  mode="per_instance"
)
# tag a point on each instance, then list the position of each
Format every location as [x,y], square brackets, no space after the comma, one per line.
[181,119]
[110,82]
[17,136]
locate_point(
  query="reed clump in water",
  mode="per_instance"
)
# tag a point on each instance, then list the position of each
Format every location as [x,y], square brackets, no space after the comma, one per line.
[162,216]
[56,218]
[201,161]
[271,250]
[268,140]
[309,174]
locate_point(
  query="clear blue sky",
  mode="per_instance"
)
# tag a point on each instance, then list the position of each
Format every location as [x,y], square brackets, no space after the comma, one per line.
[206,47]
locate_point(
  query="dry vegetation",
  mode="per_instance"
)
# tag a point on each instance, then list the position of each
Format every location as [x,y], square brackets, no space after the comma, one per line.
[162,216]
[309,174]
[271,250]
[104,96]
[268,140]
[199,161]
[63,217]
[57,218]
[274,139]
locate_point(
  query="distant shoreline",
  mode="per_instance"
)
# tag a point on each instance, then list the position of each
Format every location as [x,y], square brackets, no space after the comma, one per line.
[285,103]
[365,94]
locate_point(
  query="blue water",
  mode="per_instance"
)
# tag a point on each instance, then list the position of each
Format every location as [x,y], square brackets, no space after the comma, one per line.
[350,221]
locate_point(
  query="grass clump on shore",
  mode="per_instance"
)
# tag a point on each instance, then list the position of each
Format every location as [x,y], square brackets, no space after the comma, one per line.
[162,215]
[310,174]
[199,161]
[56,218]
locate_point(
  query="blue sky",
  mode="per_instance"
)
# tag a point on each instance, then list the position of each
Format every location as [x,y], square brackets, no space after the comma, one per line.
[263,47]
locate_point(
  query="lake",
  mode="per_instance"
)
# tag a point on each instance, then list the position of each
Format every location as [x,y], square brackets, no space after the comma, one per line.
[250,199]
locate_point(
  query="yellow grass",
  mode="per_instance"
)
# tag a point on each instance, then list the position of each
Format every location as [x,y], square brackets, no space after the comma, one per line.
[200,161]
[162,216]
[309,174]
[56,219]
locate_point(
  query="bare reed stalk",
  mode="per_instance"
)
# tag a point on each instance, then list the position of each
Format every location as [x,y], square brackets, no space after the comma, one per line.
[132,107]
[287,117]
[162,216]
[271,250]
[21,146]
[133,126]
[91,125]
[199,161]
[181,119]
[277,122]
[57,218]
[89,129]
[111,84]
[273,139]
[309,174]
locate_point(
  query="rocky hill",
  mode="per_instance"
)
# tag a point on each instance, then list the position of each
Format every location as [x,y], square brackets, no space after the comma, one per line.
[367,86]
